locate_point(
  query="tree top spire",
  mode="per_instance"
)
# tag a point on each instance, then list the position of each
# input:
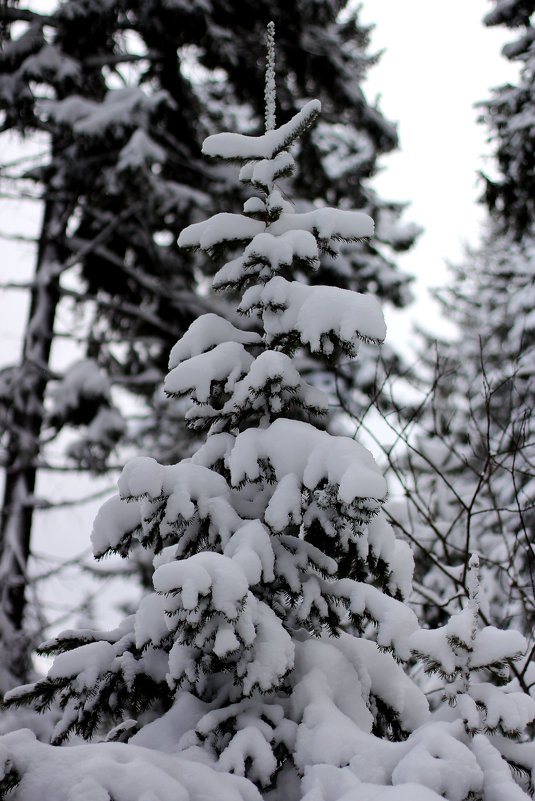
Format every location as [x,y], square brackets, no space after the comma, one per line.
[270,89]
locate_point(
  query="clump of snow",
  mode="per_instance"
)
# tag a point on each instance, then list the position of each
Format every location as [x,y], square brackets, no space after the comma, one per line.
[121,771]
[328,783]
[225,363]
[139,151]
[205,333]
[249,746]
[250,547]
[489,646]
[240,147]
[262,174]
[201,574]
[267,255]
[221,228]
[50,61]
[254,205]
[83,381]
[86,663]
[99,437]
[282,250]
[397,554]
[144,477]
[121,107]
[313,456]
[327,224]
[114,519]
[274,384]
[508,710]
[493,645]
[440,761]
[319,316]
[284,506]
[395,621]
[272,656]
[497,784]
[150,621]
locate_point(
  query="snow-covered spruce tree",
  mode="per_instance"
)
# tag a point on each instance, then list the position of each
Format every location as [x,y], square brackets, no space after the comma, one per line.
[124,93]
[272,558]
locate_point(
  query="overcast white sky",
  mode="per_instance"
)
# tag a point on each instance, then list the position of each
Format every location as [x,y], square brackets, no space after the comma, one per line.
[439,60]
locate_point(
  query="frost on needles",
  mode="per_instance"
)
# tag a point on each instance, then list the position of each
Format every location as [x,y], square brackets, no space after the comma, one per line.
[268,660]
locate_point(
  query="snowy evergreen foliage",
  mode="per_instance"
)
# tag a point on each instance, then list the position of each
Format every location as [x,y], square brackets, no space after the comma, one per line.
[269,538]
[474,665]
[468,474]
[460,649]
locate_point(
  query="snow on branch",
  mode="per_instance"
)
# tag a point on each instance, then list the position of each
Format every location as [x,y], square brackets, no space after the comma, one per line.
[314,456]
[204,334]
[121,771]
[321,317]
[119,108]
[226,363]
[221,228]
[327,224]
[261,174]
[240,147]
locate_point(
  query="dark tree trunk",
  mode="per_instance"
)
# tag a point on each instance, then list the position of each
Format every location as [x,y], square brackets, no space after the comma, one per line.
[24,446]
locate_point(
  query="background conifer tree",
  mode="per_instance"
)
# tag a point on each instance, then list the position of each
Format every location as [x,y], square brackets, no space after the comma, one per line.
[470,476]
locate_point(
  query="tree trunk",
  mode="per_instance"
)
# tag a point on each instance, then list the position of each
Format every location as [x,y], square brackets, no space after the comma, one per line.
[24,445]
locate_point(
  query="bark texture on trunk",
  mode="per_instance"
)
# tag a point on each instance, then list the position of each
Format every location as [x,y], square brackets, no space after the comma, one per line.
[24,446]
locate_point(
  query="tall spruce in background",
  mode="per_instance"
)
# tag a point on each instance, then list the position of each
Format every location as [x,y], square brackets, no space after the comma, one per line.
[124,93]
[471,471]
